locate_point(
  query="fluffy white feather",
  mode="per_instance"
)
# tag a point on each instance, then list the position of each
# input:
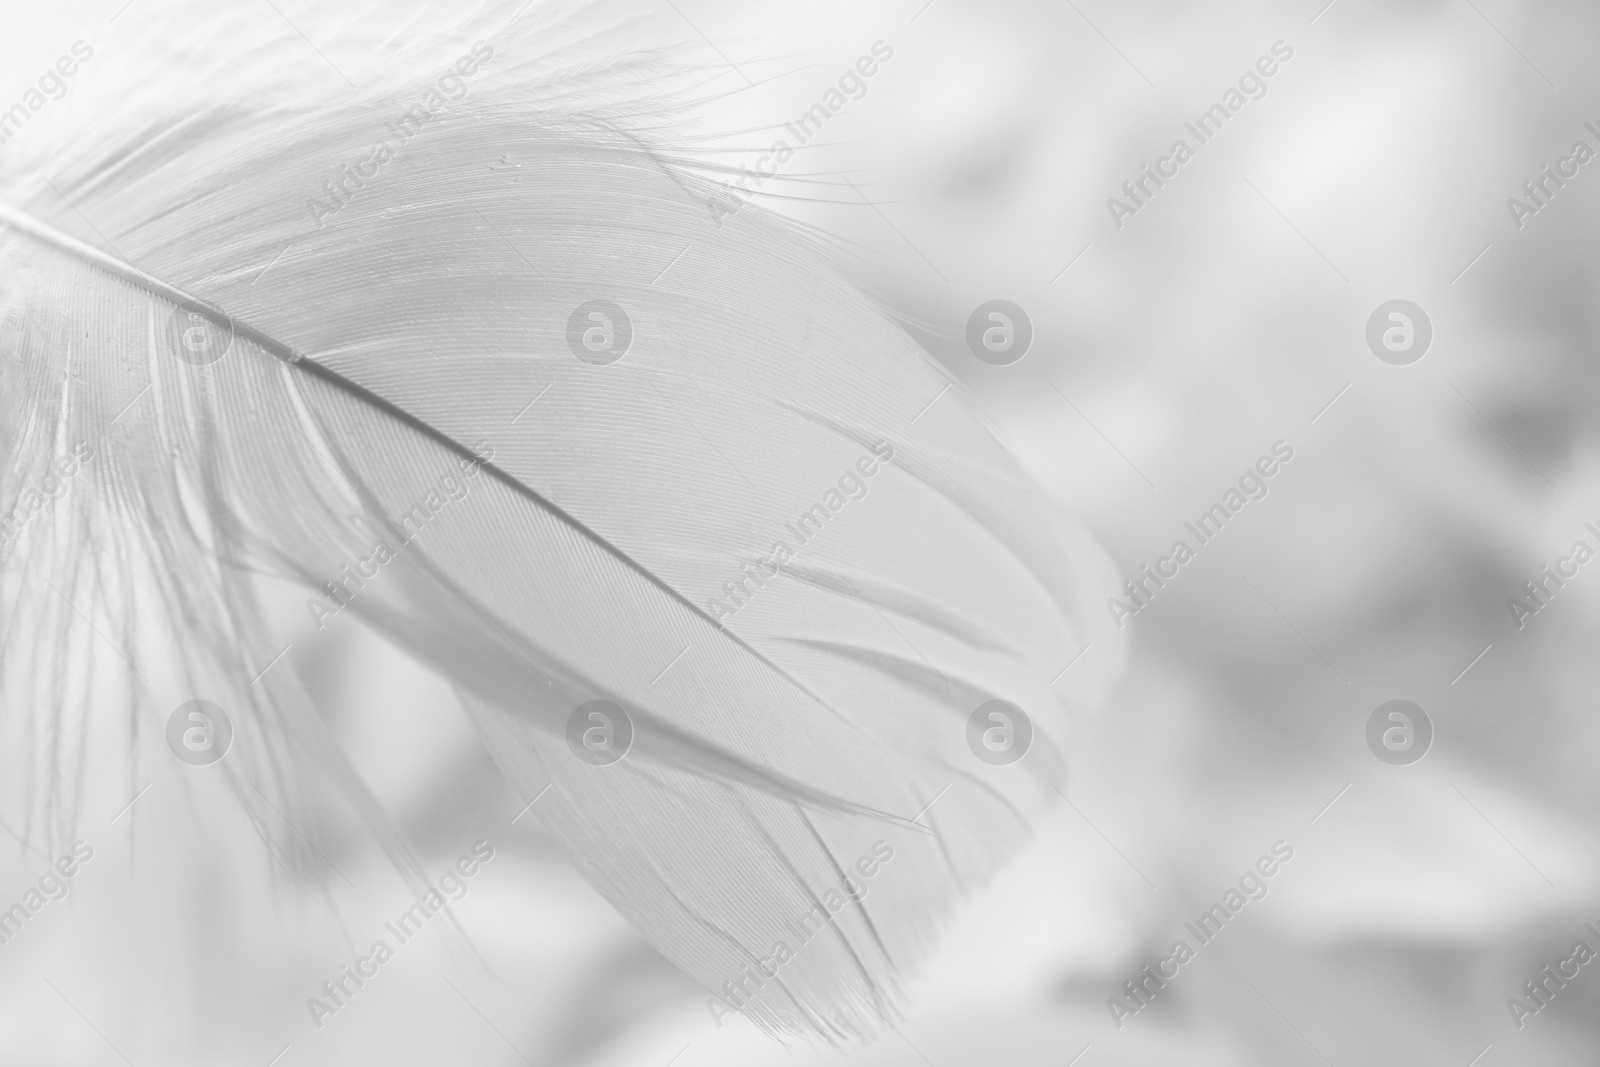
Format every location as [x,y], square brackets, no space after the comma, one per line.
[400,338]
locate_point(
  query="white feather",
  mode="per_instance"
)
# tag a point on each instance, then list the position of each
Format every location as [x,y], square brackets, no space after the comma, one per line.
[378,347]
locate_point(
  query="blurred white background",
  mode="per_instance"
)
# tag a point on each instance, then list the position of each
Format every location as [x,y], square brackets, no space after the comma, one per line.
[1229,313]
